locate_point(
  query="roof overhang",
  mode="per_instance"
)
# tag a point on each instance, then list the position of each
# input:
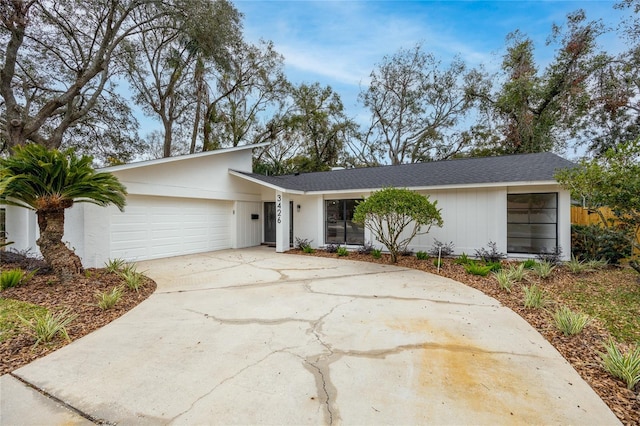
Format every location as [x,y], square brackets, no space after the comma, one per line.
[180,158]
[418,188]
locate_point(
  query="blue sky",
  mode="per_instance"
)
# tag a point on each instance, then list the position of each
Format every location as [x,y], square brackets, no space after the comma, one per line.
[338,43]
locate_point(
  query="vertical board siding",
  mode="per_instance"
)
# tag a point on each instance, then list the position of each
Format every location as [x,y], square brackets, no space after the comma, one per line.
[472,218]
[248,231]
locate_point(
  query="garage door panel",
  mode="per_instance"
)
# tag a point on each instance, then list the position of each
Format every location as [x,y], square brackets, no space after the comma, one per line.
[153,227]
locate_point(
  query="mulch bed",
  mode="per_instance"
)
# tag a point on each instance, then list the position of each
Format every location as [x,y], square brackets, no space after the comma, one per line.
[581,350]
[79,297]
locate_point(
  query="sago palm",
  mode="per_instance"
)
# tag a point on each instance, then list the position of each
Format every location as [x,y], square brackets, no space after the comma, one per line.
[49,182]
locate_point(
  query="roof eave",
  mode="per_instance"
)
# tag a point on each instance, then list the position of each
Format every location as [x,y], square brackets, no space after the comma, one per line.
[440,187]
[265,184]
[157,161]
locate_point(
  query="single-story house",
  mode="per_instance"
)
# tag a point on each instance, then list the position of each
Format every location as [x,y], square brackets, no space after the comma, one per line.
[213,201]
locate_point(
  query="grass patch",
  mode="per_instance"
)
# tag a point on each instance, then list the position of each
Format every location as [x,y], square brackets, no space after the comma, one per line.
[10,323]
[613,298]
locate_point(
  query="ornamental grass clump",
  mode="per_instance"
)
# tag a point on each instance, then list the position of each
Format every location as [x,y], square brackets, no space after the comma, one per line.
[516,272]
[115,265]
[569,322]
[534,297]
[45,327]
[132,278]
[543,269]
[108,299]
[624,366]
[504,280]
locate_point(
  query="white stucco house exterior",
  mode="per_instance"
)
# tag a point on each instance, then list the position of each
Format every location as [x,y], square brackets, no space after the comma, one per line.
[213,201]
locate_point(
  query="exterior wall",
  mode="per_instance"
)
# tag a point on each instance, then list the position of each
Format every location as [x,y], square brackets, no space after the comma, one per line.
[22,228]
[472,218]
[306,218]
[248,231]
[178,184]
[200,177]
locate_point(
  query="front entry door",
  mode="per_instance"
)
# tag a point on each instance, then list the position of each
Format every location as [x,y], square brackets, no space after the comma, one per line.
[270,222]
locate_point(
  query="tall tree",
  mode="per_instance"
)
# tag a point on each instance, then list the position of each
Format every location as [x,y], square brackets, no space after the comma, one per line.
[247,98]
[536,112]
[614,117]
[611,181]
[49,182]
[57,64]
[319,125]
[166,60]
[415,106]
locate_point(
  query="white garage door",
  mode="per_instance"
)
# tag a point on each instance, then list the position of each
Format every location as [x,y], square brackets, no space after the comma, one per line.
[154,227]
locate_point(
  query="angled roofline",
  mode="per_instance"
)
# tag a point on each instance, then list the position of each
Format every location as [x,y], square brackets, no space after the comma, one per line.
[263,183]
[158,161]
[372,189]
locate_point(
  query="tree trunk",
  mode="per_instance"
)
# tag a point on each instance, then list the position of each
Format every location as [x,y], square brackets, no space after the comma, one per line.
[64,262]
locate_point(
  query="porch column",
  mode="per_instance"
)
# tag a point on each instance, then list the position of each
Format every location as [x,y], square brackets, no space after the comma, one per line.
[282,222]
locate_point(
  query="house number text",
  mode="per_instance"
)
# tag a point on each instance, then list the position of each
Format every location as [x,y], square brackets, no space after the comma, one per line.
[279,208]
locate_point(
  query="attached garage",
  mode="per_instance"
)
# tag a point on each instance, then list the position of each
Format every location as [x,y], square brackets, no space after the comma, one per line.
[155,227]
[175,206]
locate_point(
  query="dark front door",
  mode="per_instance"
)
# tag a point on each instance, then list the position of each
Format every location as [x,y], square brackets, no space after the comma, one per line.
[270,222]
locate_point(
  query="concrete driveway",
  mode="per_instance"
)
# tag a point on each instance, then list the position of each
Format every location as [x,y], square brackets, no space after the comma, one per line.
[255,337]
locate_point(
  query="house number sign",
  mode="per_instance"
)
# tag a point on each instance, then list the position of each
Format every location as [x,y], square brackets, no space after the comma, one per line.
[279,208]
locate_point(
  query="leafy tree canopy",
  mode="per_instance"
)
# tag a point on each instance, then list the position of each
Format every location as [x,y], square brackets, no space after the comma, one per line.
[612,181]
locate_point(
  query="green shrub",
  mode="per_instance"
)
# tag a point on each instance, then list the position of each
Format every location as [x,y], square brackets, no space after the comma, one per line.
[376,253]
[504,280]
[495,266]
[529,263]
[115,265]
[622,366]
[534,297]
[543,269]
[342,251]
[14,278]
[107,300]
[516,272]
[570,322]
[308,249]
[437,263]
[45,327]
[422,255]
[476,269]
[462,260]
[591,242]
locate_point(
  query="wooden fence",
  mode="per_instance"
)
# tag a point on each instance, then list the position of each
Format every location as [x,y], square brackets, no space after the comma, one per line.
[582,216]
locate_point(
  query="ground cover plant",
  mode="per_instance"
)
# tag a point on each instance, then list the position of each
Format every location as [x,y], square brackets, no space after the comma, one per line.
[609,295]
[52,311]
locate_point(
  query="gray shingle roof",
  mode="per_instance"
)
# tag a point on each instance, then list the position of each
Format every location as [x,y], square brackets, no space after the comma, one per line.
[489,170]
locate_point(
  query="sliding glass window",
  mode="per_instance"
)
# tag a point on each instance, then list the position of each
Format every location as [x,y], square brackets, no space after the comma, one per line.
[339,225]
